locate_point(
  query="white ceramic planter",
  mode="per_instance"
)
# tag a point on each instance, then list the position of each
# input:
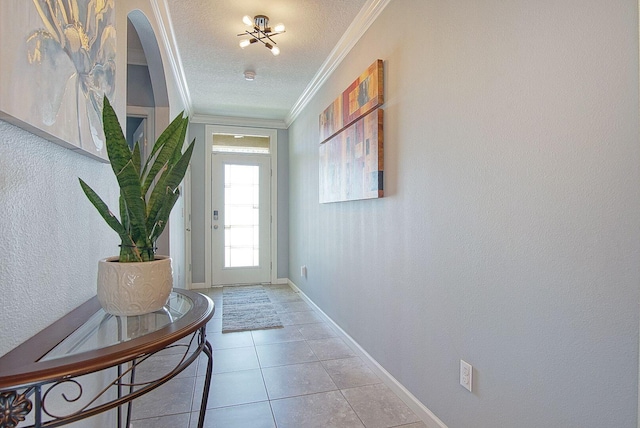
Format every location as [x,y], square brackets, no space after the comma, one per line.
[128,289]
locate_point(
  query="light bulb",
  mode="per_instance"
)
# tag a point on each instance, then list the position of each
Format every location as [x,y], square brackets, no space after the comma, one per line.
[244,43]
[275,50]
[279,28]
[247,20]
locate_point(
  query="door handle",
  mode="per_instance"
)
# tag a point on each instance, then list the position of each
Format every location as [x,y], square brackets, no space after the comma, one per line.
[215,226]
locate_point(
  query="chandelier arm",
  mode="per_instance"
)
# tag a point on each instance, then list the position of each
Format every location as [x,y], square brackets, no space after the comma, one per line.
[266,35]
[260,40]
[261,37]
[270,39]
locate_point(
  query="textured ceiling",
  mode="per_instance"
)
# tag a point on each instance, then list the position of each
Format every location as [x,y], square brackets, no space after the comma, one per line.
[206,37]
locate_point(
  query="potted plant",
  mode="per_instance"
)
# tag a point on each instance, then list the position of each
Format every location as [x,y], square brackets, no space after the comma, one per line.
[139,281]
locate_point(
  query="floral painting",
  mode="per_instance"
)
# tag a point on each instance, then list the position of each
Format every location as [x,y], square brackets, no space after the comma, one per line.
[57,61]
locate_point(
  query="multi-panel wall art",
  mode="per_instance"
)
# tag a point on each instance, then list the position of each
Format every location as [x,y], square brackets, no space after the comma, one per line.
[57,60]
[351,163]
[351,137]
[362,96]
[331,120]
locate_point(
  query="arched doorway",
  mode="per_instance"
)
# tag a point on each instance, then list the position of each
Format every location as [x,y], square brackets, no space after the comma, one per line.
[148,114]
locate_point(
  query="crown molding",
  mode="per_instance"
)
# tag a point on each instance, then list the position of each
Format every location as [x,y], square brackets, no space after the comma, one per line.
[361,23]
[163,18]
[238,121]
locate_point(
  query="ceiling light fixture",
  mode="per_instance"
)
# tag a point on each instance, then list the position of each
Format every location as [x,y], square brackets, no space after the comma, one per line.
[250,75]
[261,32]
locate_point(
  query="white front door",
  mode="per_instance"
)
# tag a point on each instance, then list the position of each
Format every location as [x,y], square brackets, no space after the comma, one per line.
[241,218]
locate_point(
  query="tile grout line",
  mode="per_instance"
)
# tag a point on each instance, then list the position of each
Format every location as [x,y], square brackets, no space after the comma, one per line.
[264,383]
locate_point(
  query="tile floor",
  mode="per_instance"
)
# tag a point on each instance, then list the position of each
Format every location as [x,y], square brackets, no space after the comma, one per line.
[299,376]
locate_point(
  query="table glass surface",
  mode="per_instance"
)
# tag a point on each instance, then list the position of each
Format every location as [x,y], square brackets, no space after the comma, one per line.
[103,329]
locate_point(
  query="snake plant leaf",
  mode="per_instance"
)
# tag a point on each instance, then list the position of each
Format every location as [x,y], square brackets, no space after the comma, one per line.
[129,182]
[117,148]
[175,124]
[104,211]
[129,252]
[170,140]
[163,215]
[136,157]
[124,214]
[166,157]
[166,185]
[178,168]
[177,151]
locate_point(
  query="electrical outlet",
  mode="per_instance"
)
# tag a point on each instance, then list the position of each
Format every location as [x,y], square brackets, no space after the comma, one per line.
[466,375]
[303,271]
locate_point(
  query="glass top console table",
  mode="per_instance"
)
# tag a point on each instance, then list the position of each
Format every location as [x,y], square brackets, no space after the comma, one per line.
[50,380]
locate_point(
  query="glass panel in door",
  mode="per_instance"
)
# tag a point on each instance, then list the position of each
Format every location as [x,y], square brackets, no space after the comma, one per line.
[242,216]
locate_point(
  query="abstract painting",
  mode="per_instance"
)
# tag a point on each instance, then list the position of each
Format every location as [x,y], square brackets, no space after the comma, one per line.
[57,61]
[351,163]
[362,96]
[331,120]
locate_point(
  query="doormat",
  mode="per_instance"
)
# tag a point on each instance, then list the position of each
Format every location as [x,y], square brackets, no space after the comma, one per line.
[247,308]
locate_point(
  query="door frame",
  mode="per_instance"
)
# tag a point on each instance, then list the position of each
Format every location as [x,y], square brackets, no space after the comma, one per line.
[272,134]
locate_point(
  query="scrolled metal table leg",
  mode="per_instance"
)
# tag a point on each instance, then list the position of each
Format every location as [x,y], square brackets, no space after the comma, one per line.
[207,383]
[38,415]
[132,382]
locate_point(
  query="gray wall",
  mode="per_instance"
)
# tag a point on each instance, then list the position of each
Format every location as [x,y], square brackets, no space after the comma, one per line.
[196,130]
[283,203]
[198,165]
[139,88]
[509,234]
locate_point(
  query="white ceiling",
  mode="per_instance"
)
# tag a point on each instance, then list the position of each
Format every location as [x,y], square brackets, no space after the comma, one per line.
[213,63]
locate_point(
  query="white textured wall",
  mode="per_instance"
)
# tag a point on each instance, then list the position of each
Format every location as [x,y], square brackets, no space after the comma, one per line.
[51,236]
[509,235]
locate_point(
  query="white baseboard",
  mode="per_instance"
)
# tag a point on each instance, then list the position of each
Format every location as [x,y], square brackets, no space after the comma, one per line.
[427,416]
[281,281]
